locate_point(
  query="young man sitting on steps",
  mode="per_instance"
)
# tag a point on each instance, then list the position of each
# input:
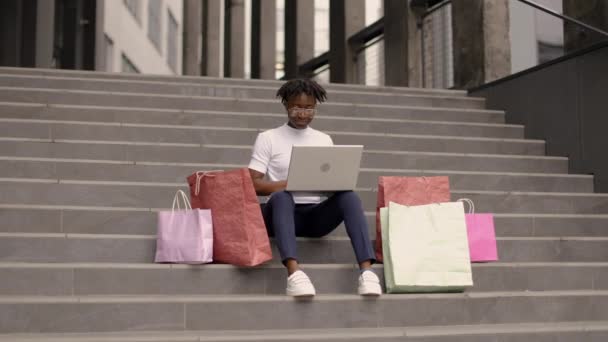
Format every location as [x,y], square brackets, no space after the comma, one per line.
[287,215]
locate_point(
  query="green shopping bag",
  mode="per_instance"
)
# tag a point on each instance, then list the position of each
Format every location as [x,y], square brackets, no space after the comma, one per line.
[425,248]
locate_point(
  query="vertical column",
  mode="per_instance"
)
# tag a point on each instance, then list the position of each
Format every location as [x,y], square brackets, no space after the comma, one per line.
[256,27]
[396,36]
[355,21]
[45,29]
[481,41]
[100,40]
[193,11]
[263,39]
[28,33]
[344,21]
[268,41]
[594,13]
[213,38]
[234,50]
[291,39]
[337,37]
[497,39]
[299,34]
[89,31]
[414,48]
[77,21]
[10,33]
[306,30]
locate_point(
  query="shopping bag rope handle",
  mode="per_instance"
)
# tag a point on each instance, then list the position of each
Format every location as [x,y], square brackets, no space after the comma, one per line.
[199,176]
[470,203]
[178,194]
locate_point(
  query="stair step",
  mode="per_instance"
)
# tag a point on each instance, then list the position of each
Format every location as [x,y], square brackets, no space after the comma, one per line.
[523,332]
[43,279]
[144,195]
[170,118]
[246,136]
[86,160]
[178,102]
[58,169]
[233,90]
[142,221]
[127,313]
[122,248]
[196,154]
[78,74]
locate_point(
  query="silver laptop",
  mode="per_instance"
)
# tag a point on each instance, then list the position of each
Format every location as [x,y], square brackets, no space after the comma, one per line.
[324,168]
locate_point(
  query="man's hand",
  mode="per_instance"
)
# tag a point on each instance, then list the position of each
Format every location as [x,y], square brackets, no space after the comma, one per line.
[264,187]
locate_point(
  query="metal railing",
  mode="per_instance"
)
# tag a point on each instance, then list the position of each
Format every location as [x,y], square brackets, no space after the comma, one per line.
[437,41]
[315,67]
[367,47]
[564,17]
[370,63]
[437,49]
[437,46]
[322,74]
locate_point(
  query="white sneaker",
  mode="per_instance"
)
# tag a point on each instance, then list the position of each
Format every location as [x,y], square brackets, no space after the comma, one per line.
[369,284]
[299,285]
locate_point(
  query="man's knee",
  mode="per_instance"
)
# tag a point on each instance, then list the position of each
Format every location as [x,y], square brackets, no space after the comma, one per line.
[348,198]
[281,197]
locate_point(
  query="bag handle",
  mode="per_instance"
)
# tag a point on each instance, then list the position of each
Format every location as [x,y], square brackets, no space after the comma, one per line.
[470,203]
[176,198]
[200,175]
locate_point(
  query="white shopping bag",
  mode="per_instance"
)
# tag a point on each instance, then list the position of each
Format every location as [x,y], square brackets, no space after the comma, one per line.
[427,247]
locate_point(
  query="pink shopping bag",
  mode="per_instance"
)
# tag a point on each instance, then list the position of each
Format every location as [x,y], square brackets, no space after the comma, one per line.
[481,233]
[184,235]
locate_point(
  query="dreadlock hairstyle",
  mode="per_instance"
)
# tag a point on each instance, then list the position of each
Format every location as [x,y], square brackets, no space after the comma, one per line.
[298,86]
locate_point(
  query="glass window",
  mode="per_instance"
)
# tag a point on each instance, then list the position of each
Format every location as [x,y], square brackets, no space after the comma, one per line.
[321,27]
[172,38]
[109,54]
[280,40]
[128,66]
[134,9]
[154,22]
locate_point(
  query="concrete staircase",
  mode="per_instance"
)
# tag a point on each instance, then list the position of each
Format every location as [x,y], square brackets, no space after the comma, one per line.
[87,158]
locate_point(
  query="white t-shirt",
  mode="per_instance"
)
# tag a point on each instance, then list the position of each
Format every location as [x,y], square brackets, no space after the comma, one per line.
[272,153]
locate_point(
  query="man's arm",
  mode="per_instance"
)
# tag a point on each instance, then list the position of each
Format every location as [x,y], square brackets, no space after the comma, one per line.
[264,187]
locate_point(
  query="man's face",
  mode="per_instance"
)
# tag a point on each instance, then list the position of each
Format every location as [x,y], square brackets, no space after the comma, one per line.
[301,110]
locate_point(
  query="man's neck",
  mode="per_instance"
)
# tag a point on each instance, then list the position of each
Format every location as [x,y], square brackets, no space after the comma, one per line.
[293,126]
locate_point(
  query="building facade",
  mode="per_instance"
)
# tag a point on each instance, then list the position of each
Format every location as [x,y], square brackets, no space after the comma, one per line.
[141,36]
[105,35]
[420,43]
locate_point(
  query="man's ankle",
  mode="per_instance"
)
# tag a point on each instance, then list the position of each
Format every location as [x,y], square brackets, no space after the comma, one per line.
[292,266]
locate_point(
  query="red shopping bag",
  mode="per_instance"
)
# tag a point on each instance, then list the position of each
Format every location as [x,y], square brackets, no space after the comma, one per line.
[239,234]
[408,191]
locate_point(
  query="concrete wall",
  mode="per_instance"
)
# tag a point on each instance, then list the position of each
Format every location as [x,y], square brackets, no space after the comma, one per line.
[591,12]
[481,42]
[564,103]
[130,36]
